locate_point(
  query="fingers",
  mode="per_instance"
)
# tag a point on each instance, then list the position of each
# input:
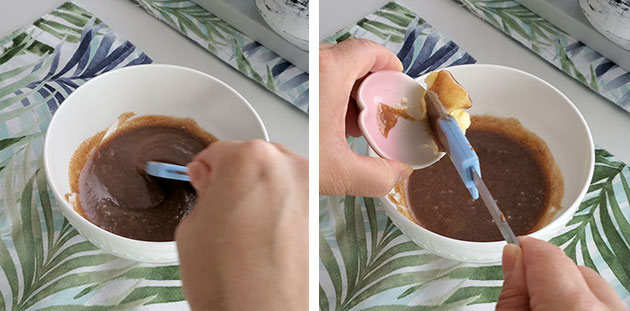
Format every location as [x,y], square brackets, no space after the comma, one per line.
[341,65]
[355,88]
[552,277]
[216,151]
[200,169]
[514,295]
[283,149]
[601,289]
[359,57]
[199,173]
[342,171]
[373,177]
[539,275]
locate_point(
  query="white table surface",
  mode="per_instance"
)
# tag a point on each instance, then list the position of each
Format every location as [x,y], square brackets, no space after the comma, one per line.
[609,124]
[286,124]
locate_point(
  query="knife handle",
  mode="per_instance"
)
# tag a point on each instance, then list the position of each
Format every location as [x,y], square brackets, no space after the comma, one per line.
[461,153]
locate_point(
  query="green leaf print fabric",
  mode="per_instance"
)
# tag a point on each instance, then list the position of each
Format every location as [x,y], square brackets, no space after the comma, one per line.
[366,263]
[233,47]
[556,47]
[44,263]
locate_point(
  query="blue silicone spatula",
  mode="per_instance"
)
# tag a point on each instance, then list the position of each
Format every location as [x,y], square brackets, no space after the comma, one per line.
[167,170]
[465,160]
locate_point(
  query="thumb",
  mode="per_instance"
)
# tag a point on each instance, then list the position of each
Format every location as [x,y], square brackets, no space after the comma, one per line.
[199,174]
[374,177]
[514,295]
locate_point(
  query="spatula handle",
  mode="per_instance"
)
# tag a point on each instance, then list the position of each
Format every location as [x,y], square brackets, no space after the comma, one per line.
[460,151]
[167,170]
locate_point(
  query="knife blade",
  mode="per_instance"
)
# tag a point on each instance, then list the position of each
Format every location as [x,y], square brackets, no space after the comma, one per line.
[465,160]
[495,212]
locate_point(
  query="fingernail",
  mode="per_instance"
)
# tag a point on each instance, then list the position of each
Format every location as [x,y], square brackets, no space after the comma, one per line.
[510,254]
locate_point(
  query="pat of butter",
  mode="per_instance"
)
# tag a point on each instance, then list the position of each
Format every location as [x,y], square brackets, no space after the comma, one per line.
[462,117]
[456,97]
[430,79]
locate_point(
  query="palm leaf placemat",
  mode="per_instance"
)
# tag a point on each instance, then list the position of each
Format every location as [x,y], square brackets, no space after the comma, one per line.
[556,47]
[233,47]
[366,263]
[44,263]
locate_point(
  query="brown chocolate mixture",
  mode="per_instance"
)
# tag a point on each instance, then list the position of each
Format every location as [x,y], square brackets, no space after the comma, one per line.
[114,191]
[516,165]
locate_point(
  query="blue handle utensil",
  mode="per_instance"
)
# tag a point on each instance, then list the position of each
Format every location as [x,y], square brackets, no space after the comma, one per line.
[167,170]
[465,160]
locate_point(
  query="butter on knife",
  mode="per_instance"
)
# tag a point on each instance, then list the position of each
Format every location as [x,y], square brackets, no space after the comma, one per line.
[452,95]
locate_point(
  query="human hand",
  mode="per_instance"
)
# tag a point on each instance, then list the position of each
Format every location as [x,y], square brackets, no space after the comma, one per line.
[539,276]
[341,170]
[245,244]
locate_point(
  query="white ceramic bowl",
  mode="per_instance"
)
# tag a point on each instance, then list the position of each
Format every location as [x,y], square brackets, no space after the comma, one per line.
[541,108]
[144,89]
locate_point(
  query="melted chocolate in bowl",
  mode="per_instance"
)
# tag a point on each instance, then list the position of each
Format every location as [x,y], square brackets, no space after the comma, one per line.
[113,189]
[519,170]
